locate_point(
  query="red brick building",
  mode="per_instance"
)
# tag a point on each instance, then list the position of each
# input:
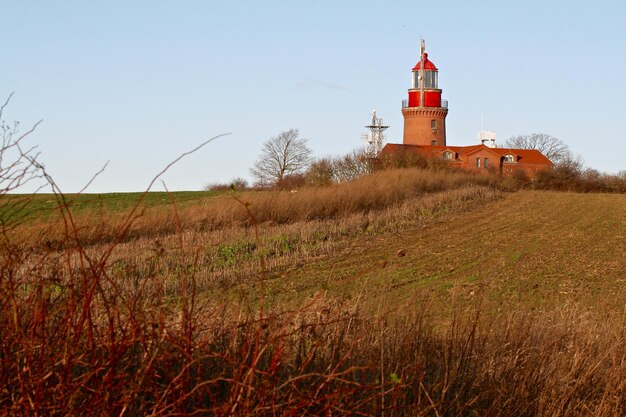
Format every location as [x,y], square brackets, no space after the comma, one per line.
[425,114]
[504,161]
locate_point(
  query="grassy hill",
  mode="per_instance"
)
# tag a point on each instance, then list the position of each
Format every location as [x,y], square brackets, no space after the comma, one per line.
[407,292]
[536,249]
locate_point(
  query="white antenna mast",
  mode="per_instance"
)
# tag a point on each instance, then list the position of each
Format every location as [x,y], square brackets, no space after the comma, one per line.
[422,50]
[374,139]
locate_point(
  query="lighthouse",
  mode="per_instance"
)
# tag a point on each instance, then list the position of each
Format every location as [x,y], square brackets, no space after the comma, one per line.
[425,112]
[425,134]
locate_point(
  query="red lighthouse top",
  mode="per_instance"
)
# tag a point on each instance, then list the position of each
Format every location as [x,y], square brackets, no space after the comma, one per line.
[424,91]
[428,65]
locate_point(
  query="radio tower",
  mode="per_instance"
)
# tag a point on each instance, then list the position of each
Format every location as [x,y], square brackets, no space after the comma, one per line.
[374,139]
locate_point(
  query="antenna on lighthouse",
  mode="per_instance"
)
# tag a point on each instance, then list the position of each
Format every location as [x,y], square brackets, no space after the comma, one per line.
[422,50]
[375,138]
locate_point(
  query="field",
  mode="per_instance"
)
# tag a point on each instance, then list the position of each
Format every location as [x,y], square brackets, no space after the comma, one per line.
[535,249]
[407,292]
[45,206]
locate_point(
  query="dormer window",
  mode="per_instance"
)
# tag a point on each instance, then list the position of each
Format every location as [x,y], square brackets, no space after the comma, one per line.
[448,155]
[509,158]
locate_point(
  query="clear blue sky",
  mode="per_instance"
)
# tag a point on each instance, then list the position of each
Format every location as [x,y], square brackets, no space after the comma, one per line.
[140,82]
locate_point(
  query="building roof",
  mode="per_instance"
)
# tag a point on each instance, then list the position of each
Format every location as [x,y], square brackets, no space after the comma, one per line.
[528,156]
[466,150]
[428,65]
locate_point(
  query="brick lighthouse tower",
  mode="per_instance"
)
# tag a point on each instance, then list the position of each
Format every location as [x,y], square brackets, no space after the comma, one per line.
[424,112]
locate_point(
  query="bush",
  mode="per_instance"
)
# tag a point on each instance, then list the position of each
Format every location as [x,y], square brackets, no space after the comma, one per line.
[333,170]
[572,176]
[291,182]
[402,159]
[321,173]
[235,184]
[352,166]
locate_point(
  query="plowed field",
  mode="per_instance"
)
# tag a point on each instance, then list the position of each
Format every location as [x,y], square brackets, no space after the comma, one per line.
[537,249]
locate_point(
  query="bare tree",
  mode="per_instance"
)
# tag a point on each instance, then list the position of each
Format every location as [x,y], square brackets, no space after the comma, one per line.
[284,155]
[553,148]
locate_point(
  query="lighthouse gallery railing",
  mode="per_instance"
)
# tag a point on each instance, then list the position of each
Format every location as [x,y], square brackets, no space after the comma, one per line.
[444,103]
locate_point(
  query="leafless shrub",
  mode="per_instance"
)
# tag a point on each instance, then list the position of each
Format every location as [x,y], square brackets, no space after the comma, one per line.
[321,173]
[571,175]
[291,182]
[236,184]
[402,159]
[332,170]
[352,166]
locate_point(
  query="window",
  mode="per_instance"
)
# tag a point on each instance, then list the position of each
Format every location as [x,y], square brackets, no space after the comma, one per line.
[433,124]
[448,155]
[486,162]
[433,142]
[509,158]
[431,79]
[477,162]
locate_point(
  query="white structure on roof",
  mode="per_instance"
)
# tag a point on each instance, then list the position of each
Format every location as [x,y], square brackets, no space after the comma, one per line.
[486,137]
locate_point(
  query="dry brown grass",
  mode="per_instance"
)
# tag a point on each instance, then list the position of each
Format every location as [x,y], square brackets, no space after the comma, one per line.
[101,320]
[370,193]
